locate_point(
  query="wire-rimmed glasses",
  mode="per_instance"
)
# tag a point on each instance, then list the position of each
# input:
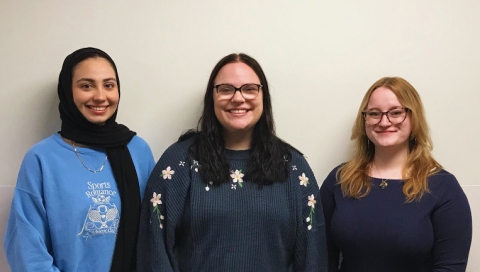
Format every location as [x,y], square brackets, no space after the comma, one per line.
[395,116]
[249,91]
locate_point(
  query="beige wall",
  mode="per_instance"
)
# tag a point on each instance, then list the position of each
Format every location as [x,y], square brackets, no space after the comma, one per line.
[320,57]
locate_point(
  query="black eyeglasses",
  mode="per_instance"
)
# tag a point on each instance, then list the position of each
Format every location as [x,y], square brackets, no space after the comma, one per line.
[395,116]
[249,91]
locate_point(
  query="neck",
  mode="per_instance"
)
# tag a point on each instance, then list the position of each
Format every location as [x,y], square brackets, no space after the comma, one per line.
[238,140]
[389,162]
[70,142]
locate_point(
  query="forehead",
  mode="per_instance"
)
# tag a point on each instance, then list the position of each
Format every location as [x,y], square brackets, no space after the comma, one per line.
[384,99]
[93,68]
[237,74]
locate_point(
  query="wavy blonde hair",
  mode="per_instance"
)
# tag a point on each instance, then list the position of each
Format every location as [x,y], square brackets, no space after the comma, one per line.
[354,176]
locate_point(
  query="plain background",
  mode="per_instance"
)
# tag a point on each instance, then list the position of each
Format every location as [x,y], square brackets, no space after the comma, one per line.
[320,57]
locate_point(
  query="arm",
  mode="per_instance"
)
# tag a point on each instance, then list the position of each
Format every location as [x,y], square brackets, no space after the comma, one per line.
[162,212]
[27,238]
[328,203]
[310,247]
[452,227]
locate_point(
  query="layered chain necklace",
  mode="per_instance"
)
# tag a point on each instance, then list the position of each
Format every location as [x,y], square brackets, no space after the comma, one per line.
[93,171]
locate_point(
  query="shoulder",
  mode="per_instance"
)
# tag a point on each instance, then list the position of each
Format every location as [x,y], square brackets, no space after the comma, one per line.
[138,143]
[297,157]
[444,183]
[179,149]
[446,189]
[42,148]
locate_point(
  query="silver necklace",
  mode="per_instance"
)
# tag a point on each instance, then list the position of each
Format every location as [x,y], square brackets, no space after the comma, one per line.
[93,171]
[384,183]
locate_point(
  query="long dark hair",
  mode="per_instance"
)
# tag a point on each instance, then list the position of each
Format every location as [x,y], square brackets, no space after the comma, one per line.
[269,156]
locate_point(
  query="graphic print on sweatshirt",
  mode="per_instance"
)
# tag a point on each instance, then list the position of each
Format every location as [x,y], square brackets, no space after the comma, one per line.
[102,216]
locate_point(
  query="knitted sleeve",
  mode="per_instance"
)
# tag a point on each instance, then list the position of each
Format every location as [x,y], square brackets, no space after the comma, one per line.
[310,247]
[328,203]
[452,226]
[27,239]
[162,211]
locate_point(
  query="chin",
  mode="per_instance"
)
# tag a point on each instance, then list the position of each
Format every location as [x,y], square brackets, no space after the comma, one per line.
[97,121]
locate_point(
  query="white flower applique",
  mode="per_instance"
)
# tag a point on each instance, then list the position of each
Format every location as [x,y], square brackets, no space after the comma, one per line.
[181,163]
[156,201]
[294,167]
[303,180]
[195,165]
[237,176]
[311,203]
[167,173]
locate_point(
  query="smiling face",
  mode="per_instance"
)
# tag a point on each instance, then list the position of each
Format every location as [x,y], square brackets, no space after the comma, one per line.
[237,115]
[386,134]
[95,89]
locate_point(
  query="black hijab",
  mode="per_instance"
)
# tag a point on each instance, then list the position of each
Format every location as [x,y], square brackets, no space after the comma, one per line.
[114,138]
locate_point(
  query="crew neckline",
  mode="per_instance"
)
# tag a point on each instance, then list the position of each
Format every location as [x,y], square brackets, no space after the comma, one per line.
[62,143]
[237,154]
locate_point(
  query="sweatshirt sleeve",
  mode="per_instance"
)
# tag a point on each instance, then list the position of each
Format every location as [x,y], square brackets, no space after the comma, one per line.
[328,203]
[452,227]
[310,247]
[162,211]
[27,240]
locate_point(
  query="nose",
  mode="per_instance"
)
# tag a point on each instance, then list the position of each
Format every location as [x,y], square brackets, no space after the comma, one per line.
[100,95]
[238,97]
[384,122]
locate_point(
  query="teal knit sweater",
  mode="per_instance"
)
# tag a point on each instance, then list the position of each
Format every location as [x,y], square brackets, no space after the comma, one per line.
[189,225]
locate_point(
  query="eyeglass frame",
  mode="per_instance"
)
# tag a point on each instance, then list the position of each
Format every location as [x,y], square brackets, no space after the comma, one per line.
[240,89]
[364,113]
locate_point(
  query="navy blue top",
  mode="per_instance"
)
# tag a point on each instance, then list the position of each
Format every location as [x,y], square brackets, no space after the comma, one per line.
[237,226]
[381,232]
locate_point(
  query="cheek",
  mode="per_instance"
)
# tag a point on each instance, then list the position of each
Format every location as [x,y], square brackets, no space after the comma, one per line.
[78,98]
[113,99]
[218,110]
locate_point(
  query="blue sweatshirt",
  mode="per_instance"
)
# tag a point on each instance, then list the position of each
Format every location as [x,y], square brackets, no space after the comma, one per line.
[187,225]
[64,217]
[381,232]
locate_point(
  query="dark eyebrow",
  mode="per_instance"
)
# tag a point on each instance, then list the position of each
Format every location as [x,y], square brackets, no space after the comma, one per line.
[93,81]
[86,79]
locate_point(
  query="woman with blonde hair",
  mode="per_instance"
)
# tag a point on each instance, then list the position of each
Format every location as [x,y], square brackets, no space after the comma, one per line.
[393,207]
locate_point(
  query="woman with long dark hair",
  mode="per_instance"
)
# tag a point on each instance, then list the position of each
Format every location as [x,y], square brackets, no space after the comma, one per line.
[392,207]
[78,195]
[231,195]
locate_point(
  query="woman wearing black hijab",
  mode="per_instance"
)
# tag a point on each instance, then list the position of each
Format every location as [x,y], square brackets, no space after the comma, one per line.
[77,200]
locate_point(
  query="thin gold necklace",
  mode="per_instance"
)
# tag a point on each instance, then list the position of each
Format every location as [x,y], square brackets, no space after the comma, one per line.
[384,183]
[93,171]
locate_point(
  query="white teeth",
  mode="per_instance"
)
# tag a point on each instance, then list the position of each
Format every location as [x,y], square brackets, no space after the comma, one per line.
[238,111]
[98,108]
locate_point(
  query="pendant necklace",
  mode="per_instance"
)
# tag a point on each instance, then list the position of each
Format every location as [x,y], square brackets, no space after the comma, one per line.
[384,183]
[93,171]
